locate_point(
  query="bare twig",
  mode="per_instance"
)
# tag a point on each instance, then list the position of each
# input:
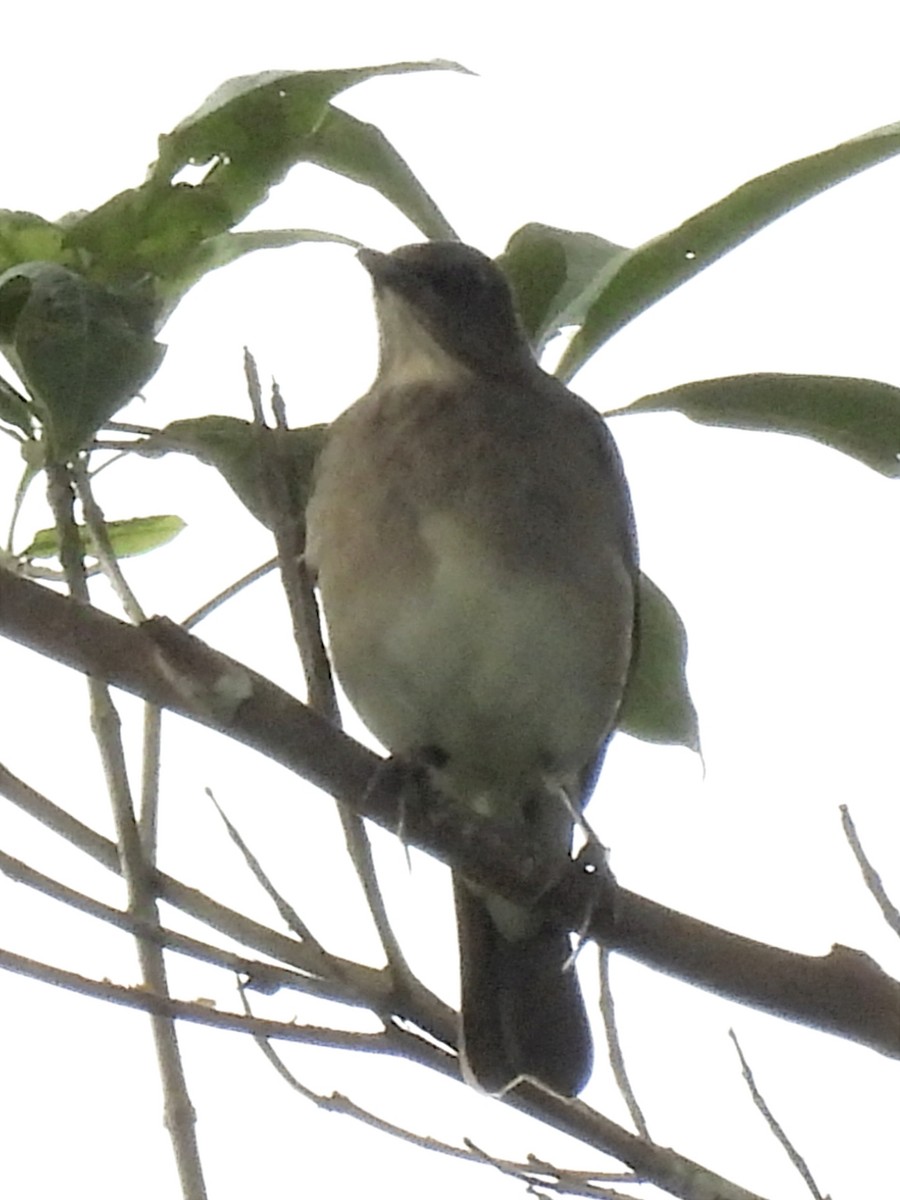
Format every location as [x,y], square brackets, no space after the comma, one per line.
[871,877]
[102,546]
[29,569]
[616,1057]
[777,1130]
[180,1118]
[148,817]
[683,1178]
[202,1014]
[576,1180]
[529,1172]
[345,981]
[288,527]
[130,427]
[287,912]
[226,594]
[560,1182]
[259,976]
[338,1103]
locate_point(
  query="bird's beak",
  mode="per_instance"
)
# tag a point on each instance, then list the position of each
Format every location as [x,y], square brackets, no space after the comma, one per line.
[373,260]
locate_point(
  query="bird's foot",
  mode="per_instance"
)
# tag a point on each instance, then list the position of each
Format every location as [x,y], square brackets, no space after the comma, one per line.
[601,891]
[408,782]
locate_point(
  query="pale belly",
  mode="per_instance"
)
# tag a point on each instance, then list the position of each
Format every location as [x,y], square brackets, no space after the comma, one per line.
[512,676]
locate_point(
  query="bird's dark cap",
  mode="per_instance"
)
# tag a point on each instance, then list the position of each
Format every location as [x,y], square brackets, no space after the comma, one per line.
[425,253]
[460,296]
[426,259]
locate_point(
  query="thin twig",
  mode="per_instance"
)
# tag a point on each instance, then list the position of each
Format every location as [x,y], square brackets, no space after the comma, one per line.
[683,1178]
[24,483]
[777,1130]
[102,546]
[226,594]
[288,530]
[528,1172]
[180,1118]
[366,984]
[169,1008]
[871,877]
[254,390]
[29,569]
[130,427]
[290,535]
[124,450]
[151,757]
[558,1181]
[259,976]
[616,1057]
[339,1103]
[542,1167]
[286,911]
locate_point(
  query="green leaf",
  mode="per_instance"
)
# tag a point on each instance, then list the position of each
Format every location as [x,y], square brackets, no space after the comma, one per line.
[860,417]
[237,450]
[646,274]
[555,275]
[259,117]
[361,152]
[26,237]
[226,248]
[15,409]
[137,535]
[147,232]
[77,347]
[32,454]
[247,135]
[657,706]
[14,295]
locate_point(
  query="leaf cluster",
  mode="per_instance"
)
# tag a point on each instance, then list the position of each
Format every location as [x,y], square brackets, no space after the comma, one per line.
[83,299]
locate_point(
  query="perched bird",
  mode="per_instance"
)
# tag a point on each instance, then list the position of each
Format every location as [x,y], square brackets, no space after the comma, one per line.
[471,532]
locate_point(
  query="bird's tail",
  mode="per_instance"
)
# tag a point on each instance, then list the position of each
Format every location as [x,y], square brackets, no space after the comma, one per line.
[522,1009]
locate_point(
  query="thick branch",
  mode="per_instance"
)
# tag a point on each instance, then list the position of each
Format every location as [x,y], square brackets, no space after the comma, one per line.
[843,992]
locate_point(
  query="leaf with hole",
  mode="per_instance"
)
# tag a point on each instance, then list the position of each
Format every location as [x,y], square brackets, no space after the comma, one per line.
[859,417]
[649,272]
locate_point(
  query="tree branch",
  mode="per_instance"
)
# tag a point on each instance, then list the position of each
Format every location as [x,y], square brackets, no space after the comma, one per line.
[681,1176]
[844,992]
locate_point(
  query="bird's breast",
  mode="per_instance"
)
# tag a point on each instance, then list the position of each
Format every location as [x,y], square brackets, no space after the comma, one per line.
[512,676]
[477,578]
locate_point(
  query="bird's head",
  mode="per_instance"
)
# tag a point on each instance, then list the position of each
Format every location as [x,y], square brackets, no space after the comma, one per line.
[444,308]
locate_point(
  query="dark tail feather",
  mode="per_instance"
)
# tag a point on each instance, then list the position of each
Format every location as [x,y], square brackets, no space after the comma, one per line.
[522,1010]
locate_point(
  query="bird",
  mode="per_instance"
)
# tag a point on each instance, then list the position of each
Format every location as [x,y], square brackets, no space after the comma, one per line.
[471,534]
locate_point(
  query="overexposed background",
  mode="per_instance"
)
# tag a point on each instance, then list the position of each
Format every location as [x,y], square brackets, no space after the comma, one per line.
[781,556]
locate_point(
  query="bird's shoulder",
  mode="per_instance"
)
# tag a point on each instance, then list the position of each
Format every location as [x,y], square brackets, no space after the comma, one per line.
[446,425]
[494,457]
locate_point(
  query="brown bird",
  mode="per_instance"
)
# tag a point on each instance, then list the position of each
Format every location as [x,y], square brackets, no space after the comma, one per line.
[471,531]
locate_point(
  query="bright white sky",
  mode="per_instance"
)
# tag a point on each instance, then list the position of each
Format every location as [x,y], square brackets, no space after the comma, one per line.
[781,556]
